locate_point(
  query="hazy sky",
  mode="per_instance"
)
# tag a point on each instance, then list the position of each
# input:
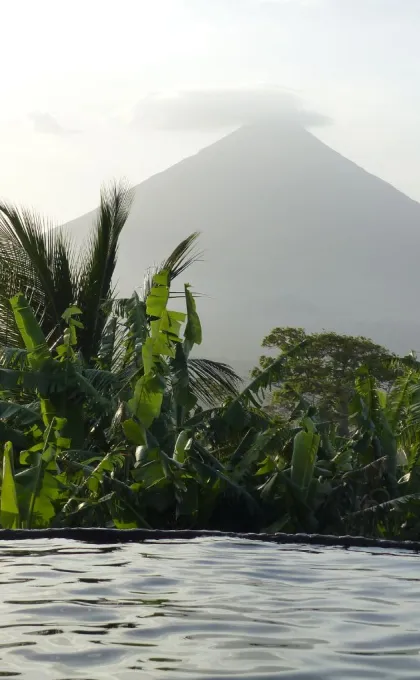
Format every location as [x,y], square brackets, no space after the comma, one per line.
[83,86]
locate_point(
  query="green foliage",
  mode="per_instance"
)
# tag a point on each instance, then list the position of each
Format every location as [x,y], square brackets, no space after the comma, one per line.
[151,456]
[305,450]
[99,445]
[324,370]
[9,509]
[193,335]
[40,260]
[107,419]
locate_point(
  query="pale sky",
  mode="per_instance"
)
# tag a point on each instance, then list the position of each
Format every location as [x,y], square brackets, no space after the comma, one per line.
[83,86]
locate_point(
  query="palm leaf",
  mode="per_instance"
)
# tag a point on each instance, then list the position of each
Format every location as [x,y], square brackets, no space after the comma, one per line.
[398,399]
[97,266]
[136,330]
[38,261]
[413,406]
[254,391]
[212,381]
[400,504]
[19,414]
[13,357]
[182,257]
[107,344]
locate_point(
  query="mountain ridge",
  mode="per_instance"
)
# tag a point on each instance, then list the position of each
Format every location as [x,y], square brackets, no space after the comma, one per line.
[277,205]
[156,175]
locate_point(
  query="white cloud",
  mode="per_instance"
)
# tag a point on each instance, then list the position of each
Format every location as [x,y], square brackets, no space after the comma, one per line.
[222,108]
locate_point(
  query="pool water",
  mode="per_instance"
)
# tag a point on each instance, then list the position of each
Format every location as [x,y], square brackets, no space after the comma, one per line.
[207,608]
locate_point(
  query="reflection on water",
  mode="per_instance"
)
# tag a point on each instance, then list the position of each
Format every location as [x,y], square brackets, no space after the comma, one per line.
[207,609]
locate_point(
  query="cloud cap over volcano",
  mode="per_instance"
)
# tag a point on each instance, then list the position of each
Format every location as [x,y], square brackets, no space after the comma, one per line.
[213,109]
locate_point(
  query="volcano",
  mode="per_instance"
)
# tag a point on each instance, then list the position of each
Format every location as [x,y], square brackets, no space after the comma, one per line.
[293,234]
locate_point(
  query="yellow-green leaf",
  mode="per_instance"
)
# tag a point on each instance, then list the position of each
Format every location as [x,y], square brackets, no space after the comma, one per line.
[9,508]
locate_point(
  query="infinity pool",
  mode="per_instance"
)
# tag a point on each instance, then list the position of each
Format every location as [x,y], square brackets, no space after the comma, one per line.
[207,608]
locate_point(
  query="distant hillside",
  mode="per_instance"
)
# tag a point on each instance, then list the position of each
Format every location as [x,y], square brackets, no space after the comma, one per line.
[293,233]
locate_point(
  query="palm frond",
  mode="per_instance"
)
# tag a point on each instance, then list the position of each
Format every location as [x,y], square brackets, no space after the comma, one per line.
[412,421]
[107,344]
[97,266]
[376,468]
[37,261]
[136,327]
[212,381]
[400,504]
[19,414]
[398,399]
[98,387]
[101,379]
[254,392]
[367,404]
[182,257]
[13,357]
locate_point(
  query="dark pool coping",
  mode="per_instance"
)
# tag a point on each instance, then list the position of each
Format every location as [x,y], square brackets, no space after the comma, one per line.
[108,536]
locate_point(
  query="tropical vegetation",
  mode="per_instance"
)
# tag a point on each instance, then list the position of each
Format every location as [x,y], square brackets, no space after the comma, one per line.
[108,418]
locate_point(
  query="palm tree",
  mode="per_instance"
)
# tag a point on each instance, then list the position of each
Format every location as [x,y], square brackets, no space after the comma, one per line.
[41,262]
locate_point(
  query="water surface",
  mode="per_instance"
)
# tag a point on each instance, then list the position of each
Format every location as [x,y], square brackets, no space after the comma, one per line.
[208,608]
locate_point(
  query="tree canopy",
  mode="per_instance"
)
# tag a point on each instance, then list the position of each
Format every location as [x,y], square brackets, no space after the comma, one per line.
[324,369]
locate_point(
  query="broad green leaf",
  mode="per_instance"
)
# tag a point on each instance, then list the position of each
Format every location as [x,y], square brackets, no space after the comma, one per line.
[305,449]
[343,460]
[161,278]
[31,332]
[147,400]
[49,454]
[150,471]
[70,336]
[158,297]
[162,343]
[63,442]
[76,323]
[136,326]
[150,474]
[309,425]
[193,333]
[147,355]
[43,510]
[382,398]
[134,432]
[171,323]
[182,446]
[48,411]
[70,312]
[9,508]
[267,467]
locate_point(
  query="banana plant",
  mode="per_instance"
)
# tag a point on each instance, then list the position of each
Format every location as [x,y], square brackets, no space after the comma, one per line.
[58,380]
[146,402]
[371,415]
[34,489]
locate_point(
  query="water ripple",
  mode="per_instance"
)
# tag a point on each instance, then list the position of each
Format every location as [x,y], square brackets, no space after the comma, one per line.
[207,609]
